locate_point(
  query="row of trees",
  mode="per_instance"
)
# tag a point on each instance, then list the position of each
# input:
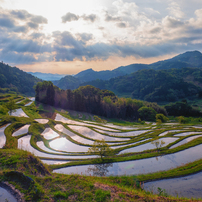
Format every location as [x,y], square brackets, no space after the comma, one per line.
[98,102]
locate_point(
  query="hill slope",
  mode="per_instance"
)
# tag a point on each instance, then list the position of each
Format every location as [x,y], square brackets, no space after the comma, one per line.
[18,80]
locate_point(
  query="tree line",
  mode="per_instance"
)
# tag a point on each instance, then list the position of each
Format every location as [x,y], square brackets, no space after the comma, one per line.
[96,101]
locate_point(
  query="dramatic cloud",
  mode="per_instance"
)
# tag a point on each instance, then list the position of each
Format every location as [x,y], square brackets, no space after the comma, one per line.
[171,22]
[91,17]
[69,17]
[109,18]
[20,20]
[7,22]
[175,9]
[113,28]
[72,17]
[121,25]
[85,36]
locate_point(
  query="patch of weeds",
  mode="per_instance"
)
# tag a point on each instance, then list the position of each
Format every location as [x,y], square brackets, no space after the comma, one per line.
[101,196]
[88,196]
[162,192]
[91,186]
[60,195]
[121,195]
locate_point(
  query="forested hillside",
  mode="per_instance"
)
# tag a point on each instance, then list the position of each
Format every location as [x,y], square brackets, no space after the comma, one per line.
[96,101]
[156,85]
[17,80]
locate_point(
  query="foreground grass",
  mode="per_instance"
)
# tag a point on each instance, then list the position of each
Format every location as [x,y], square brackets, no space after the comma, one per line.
[29,175]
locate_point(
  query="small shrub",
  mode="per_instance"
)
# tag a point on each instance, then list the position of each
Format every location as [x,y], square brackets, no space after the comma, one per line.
[158,143]
[161,117]
[182,119]
[158,121]
[98,119]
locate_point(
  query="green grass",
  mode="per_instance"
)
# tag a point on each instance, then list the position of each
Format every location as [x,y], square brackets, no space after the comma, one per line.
[32,111]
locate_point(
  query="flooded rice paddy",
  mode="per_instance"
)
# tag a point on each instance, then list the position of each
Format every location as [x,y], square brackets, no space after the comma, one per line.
[74,136]
[42,121]
[64,144]
[147,146]
[185,141]
[87,132]
[68,140]
[19,113]
[2,136]
[24,144]
[49,134]
[143,166]
[21,130]
[187,133]
[6,196]
[188,186]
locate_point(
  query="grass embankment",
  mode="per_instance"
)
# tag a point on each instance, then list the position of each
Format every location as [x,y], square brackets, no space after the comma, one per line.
[186,169]
[28,174]
[32,111]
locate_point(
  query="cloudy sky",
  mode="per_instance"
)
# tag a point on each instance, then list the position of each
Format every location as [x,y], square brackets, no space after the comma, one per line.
[67,36]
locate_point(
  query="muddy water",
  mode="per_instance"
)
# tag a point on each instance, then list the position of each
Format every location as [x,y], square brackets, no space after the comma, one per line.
[144,166]
[6,196]
[188,186]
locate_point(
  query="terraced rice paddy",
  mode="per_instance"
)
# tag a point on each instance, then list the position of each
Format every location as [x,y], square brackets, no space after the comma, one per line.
[62,141]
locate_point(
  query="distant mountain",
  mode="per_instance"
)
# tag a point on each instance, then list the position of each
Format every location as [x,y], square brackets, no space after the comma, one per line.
[68,82]
[47,76]
[188,59]
[17,80]
[89,75]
